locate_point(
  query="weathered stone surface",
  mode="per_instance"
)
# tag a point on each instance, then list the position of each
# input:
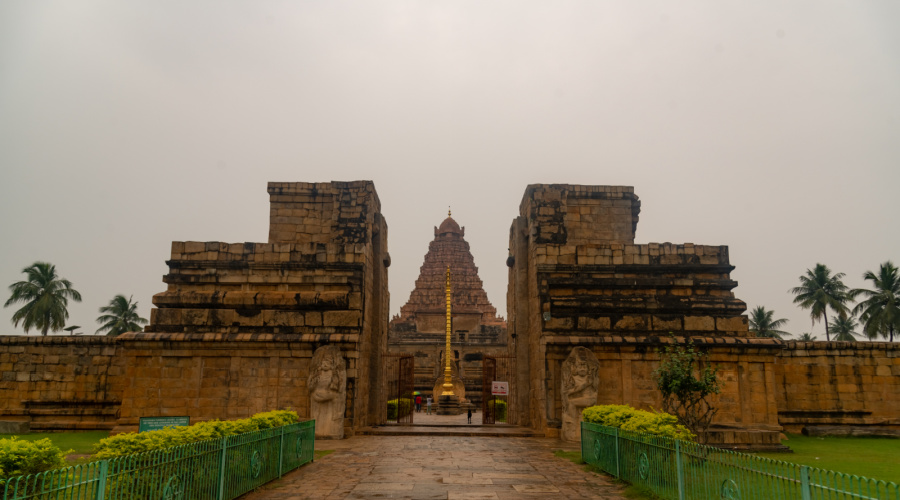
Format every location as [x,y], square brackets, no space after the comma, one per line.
[851,430]
[60,383]
[826,384]
[580,380]
[327,250]
[235,331]
[577,278]
[14,427]
[328,392]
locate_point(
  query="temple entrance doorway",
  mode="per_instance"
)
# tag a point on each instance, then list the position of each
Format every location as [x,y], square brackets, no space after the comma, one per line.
[400,391]
[497,390]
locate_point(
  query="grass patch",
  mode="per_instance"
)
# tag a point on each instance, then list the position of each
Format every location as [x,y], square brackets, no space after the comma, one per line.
[317,454]
[81,443]
[637,492]
[875,458]
[630,491]
[572,456]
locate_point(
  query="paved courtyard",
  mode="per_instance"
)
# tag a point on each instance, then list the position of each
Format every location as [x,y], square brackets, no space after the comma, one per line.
[440,467]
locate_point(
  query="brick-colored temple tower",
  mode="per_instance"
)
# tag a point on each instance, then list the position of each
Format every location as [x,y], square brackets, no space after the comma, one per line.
[421,325]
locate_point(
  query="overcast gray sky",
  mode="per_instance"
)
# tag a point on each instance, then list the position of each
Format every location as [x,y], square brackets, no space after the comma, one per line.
[769,126]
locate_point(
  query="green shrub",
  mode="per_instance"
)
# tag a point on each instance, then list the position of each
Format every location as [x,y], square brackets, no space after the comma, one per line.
[19,457]
[634,420]
[499,408]
[406,406]
[128,443]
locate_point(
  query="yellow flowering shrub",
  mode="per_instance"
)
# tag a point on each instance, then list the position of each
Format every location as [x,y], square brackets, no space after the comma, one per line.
[631,419]
[19,457]
[132,442]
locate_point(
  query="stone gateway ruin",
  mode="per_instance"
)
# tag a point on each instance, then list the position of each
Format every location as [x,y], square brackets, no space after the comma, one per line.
[301,321]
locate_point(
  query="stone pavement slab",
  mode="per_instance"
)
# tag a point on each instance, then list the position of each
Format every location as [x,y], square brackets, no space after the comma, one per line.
[440,467]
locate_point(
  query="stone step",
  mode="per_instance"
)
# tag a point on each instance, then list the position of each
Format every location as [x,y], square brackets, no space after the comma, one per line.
[450,430]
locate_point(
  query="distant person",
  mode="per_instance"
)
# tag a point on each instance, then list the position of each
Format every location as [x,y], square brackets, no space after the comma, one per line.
[418,404]
[470,414]
[428,408]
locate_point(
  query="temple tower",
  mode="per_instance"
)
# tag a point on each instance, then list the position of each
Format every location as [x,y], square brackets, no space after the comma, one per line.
[420,327]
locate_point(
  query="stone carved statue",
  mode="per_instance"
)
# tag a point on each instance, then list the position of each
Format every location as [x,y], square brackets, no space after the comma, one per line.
[579,389]
[327,386]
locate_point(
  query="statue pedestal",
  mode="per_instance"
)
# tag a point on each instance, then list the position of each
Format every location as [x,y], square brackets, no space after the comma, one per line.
[448,405]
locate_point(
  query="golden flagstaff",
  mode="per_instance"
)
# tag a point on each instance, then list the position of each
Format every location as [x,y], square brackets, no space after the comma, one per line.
[448,382]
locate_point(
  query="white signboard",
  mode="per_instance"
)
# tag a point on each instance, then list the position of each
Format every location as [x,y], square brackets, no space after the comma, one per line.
[500,388]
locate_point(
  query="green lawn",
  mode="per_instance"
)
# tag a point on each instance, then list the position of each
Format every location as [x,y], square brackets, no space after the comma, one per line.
[877,458]
[81,443]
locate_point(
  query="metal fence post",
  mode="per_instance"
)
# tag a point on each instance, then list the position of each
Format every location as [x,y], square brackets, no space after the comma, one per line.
[805,492]
[221,495]
[281,452]
[101,482]
[679,467]
[617,452]
[583,459]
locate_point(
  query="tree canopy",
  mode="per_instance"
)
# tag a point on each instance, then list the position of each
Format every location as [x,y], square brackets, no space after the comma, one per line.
[819,290]
[879,310]
[120,316]
[45,296]
[764,325]
[843,328]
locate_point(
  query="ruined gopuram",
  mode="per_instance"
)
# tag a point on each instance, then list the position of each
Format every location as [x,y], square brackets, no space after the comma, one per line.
[577,278]
[236,329]
[420,328]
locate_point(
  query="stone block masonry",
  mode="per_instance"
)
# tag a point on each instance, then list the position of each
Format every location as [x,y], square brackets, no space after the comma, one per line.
[61,383]
[851,385]
[578,279]
[235,329]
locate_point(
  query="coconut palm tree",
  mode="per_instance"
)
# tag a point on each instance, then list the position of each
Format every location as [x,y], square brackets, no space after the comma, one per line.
[818,291]
[120,316]
[46,297]
[880,310]
[843,327]
[762,323]
[806,337]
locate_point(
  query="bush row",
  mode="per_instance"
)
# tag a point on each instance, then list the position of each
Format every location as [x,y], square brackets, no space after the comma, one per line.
[631,419]
[19,457]
[405,406]
[131,442]
[499,407]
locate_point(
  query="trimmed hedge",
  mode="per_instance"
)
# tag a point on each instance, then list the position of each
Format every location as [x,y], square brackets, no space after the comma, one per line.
[19,457]
[499,407]
[634,420]
[132,442]
[406,405]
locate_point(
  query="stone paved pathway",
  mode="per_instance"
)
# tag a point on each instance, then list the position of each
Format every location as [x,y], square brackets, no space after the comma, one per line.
[440,467]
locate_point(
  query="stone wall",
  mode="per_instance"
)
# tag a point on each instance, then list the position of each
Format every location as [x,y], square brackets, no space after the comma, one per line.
[577,279]
[746,406]
[321,279]
[235,330]
[224,376]
[61,383]
[853,385]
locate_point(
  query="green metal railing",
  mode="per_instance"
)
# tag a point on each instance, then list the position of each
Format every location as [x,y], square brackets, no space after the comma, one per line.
[219,469]
[683,470]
